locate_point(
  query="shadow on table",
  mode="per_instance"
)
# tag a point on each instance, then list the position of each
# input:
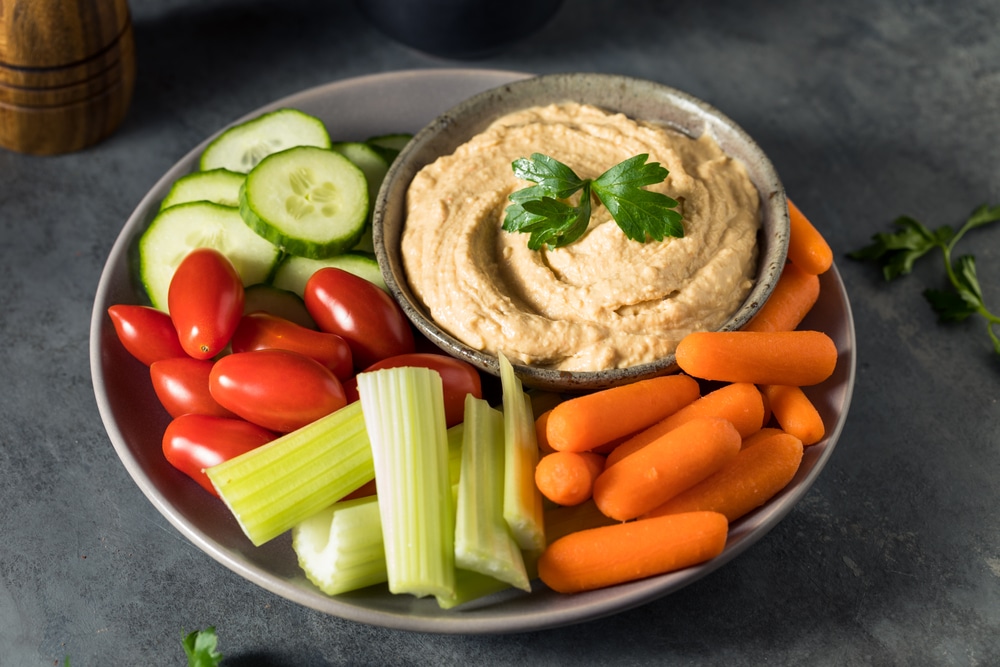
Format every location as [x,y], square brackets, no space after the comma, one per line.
[256,659]
[224,49]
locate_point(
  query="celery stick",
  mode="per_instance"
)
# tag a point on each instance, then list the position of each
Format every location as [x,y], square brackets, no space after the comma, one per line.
[471,586]
[274,487]
[483,541]
[522,502]
[456,434]
[340,549]
[404,413]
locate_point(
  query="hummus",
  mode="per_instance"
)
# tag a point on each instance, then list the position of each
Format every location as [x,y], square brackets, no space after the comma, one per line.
[603,301]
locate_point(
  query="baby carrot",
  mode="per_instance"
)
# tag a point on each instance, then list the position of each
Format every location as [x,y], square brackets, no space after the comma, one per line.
[795,413]
[665,467]
[541,423]
[567,478]
[609,555]
[741,404]
[755,476]
[806,246]
[799,358]
[794,295]
[591,420]
[760,436]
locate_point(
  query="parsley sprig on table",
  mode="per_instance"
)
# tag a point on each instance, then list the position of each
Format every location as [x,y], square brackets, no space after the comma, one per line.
[542,210]
[898,251]
[200,648]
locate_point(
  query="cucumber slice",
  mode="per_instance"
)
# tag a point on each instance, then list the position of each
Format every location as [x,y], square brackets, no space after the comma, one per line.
[368,160]
[279,302]
[375,166]
[311,202]
[220,186]
[293,272]
[243,146]
[178,230]
[389,145]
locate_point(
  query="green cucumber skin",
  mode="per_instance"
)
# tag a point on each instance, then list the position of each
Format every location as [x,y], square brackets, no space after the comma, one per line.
[275,232]
[218,152]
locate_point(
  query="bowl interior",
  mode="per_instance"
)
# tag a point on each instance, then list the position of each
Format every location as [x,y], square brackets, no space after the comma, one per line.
[635,98]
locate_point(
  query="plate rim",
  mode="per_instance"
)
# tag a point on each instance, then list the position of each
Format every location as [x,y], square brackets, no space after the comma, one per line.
[627,596]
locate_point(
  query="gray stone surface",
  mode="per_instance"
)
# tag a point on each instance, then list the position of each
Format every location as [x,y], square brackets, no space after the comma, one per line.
[869,110]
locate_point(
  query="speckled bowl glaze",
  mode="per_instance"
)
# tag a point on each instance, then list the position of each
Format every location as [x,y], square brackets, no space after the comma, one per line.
[635,98]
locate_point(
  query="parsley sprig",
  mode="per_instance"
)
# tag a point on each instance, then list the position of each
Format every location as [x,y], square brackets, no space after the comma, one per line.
[543,210]
[898,251]
[200,648]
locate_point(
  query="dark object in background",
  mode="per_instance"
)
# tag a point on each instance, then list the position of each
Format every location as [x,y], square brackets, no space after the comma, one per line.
[465,29]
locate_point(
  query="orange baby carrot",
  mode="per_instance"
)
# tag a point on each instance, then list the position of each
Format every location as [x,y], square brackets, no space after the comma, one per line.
[561,520]
[541,435]
[760,436]
[797,358]
[755,476]
[806,246]
[567,478]
[794,295]
[591,420]
[609,555]
[768,414]
[541,423]
[665,467]
[741,404]
[795,413]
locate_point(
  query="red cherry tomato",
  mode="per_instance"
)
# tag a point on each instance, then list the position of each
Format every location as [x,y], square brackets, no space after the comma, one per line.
[147,333]
[364,315]
[192,443]
[277,389]
[263,331]
[458,377]
[181,384]
[205,299]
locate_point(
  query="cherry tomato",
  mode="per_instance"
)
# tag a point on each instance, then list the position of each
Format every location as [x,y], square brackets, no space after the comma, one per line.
[205,299]
[263,331]
[280,390]
[364,315]
[181,384]
[147,333]
[192,443]
[458,377]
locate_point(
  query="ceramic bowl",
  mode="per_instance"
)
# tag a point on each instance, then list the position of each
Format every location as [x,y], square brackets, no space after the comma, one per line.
[635,98]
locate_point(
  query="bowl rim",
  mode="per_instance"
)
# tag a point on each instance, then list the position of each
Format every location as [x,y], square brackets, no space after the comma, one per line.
[476,112]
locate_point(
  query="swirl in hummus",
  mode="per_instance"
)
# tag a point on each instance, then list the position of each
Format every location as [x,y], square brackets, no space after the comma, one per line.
[603,301]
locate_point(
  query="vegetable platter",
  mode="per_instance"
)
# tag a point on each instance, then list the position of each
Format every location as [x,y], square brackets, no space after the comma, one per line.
[352,110]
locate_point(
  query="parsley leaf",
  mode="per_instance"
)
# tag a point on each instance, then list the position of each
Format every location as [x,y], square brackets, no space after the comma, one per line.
[200,648]
[898,251]
[542,210]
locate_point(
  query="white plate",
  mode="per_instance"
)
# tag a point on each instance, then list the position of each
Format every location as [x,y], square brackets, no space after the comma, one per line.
[356,109]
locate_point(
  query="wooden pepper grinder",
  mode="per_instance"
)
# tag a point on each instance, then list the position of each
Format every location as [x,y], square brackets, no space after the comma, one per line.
[67,72]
